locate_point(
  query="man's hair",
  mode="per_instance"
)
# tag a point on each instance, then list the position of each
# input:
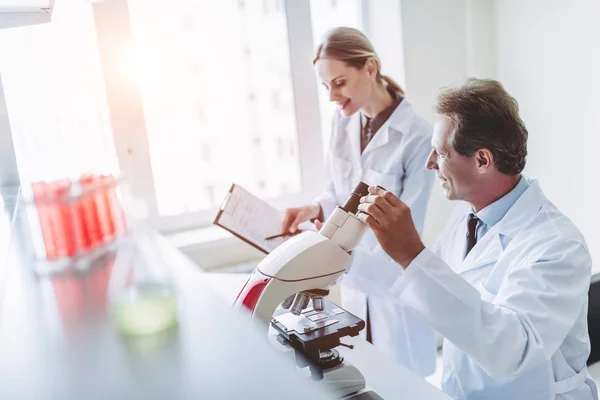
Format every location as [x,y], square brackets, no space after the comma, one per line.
[485,116]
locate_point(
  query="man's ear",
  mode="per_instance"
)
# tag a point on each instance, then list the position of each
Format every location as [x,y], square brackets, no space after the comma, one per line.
[484,160]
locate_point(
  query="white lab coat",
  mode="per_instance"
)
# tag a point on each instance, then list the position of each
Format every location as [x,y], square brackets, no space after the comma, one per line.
[513,312]
[395,159]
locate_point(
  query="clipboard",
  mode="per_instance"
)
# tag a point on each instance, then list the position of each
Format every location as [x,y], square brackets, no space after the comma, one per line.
[250,219]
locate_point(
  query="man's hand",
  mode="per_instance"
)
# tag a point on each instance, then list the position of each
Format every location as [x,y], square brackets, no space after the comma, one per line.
[389,218]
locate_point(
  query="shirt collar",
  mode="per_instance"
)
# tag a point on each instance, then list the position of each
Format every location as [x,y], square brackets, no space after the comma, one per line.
[378,120]
[494,212]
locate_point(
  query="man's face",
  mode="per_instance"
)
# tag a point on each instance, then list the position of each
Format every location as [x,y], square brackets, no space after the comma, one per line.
[457,174]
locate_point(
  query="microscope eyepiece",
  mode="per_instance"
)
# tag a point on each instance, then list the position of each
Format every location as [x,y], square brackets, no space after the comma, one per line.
[351,204]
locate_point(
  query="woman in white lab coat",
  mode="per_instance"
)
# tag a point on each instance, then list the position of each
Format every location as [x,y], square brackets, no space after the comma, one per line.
[376,138]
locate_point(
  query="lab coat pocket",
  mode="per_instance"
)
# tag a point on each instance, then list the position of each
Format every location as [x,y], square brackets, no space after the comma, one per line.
[390,182]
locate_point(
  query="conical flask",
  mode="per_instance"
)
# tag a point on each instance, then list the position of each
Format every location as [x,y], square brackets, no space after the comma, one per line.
[142,295]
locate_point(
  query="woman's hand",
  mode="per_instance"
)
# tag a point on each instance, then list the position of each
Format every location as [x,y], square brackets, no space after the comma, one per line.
[295,216]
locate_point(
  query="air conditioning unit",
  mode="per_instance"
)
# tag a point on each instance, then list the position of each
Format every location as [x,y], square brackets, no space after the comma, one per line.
[25,6]
[20,13]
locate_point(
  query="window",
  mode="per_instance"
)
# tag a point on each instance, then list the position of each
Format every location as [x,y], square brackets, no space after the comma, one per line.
[228,92]
[231,61]
[55,96]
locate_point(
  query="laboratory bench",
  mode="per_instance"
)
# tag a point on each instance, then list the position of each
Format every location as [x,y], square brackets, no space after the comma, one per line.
[58,340]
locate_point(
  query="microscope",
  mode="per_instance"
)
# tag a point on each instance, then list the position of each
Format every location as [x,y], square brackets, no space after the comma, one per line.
[299,272]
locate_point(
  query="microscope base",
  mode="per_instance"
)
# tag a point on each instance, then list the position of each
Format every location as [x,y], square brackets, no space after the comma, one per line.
[343,380]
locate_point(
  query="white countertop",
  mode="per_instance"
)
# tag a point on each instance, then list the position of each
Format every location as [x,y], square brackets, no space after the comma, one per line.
[58,340]
[385,376]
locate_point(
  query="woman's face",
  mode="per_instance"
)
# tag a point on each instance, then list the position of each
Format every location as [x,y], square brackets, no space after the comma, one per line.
[349,87]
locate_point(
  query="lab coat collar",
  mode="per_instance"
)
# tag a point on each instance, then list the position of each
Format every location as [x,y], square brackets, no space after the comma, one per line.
[489,248]
[353,134]
[523,211]
[486,251]
[399,122]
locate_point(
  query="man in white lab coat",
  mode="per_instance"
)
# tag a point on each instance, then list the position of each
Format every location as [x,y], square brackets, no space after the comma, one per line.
[507,282]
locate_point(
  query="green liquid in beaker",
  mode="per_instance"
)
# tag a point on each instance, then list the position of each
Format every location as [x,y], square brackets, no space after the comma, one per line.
[145,308]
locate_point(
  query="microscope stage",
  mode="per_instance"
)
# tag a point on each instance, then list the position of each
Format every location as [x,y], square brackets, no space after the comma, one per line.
[317,330]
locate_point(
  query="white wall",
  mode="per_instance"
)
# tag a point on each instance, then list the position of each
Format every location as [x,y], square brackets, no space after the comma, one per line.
[548,58]
[480,37]
[381,26]
[444,42]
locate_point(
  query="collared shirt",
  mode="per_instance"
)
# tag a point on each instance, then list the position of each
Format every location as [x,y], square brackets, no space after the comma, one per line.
[370,126]
[493,213]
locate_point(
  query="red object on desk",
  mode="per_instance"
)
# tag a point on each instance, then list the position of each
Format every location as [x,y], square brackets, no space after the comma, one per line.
[72,224]
[65,245]
[105,220]
[55,219]
[88,212]
[81,296]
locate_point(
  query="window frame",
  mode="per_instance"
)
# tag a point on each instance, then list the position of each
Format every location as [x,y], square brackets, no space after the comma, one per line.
[9,172]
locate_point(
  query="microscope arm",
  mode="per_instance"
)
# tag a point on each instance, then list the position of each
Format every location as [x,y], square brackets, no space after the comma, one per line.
[305,262]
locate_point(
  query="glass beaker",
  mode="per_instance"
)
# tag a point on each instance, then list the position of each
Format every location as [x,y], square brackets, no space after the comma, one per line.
[143,298]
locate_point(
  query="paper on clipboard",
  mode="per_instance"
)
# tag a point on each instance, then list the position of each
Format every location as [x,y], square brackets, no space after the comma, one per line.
[251,219]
